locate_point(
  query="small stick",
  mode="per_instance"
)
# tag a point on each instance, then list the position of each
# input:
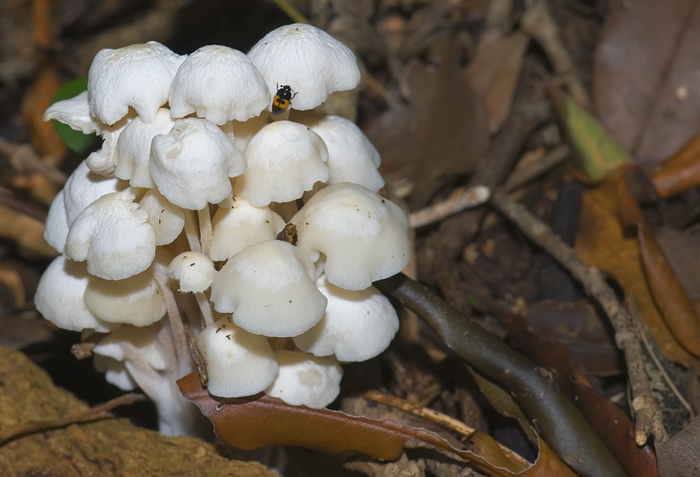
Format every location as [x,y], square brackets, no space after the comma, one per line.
[205,230]
[647,414]
[22,430]
[461,199]
[522,176]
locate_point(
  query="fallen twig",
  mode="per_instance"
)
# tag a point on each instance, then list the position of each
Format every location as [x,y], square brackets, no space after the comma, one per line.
[97,412]
[646,413]
[461,199]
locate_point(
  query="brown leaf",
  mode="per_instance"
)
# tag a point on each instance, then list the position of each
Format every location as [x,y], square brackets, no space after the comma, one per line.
[494,73]
[675,307]
[680,455]
[617,430]
[439,133]
[679,172]
[645,65]
[600,242]
[251,423]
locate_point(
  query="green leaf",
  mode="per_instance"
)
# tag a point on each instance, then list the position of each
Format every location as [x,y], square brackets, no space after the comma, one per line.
[76,141]
[597,152]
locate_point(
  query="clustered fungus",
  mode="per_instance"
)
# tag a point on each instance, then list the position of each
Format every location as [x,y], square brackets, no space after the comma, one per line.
[172,226]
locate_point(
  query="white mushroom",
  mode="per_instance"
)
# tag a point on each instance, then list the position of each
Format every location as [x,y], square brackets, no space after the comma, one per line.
[238,363]
[56,226]
[144,339]
[59,297]
[357,325]
[269,289]
[220,84]
[115,372]
[284,160]
[133,148]
[104,161]
[242,225]
[114,236]
[137,76]
[194,271]
[167,219]
[75,112]
[363,237]
[351,156]
[305,380]
[83,187]
[192,164]
[309,60]
[137,300]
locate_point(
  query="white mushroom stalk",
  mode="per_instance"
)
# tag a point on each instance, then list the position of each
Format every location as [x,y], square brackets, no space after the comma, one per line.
[197,165]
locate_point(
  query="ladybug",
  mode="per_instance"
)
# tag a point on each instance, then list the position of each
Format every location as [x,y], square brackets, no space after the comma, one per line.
[282,100]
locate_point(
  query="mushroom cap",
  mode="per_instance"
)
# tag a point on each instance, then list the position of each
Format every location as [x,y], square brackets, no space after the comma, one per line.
[240,226]
[193,270]
[56,226]
[144,339]
[309,60]
[166,218]
[192,164]
[137,76]
[133,148]
[357,325]
[305,380]
[104,160]
[59,297]
[269,289]
[363,236]
[351,156]
[220,84]
[238,363]
[114,236]
[75,112]
[136,300]
[83,187]
[284,160]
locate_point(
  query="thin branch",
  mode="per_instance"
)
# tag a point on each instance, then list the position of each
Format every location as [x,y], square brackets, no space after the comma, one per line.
[647,414]
[461,199]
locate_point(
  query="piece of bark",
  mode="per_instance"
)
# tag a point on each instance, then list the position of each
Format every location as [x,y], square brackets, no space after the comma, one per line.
[105,447]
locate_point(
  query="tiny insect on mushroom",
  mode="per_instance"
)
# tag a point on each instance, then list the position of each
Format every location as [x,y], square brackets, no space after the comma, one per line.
[282,100]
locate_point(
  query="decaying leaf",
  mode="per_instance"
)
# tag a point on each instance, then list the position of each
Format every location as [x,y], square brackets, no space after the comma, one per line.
[440,132]
[680,456]
[260,421]
[601,242]
[646,70]
[670,298]
[494,73]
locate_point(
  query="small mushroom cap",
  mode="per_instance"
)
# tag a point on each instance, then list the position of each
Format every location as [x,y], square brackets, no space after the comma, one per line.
[192,164]
[114,236]
[137,300]
[59,297]
[75,112]
[219,84]
[240,226]
[305,380]
[193,270]
[309,60]
[83,187]
[238,363]
[364,237]
[104,160]
[284,160]
[144,339]
[269,289]
[133,148]
[357,325]
[137,76]
[351,156]
[166,218]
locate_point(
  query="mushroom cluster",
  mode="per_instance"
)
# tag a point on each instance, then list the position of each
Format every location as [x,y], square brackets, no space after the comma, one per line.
[222,204]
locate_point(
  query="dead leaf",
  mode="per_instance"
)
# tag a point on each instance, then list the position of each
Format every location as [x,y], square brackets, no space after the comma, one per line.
[600,242]
[439,133]
[670,298]
[609,421]
[251,423]
[494,73]
[646,69]
[680,455]
[679,172]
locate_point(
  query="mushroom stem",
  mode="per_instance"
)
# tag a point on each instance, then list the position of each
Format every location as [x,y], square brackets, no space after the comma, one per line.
[184,363]
[205,307]
[205,230]
[191,231]
[141,370]
[165,339]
